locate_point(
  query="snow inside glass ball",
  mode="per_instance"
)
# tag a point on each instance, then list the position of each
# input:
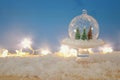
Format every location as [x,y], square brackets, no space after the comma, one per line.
[85,24]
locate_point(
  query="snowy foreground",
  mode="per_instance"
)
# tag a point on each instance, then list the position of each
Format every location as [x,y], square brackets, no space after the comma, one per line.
[52,67]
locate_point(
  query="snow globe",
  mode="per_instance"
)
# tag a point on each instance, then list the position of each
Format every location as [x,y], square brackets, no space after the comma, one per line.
[83,34]
[81,23]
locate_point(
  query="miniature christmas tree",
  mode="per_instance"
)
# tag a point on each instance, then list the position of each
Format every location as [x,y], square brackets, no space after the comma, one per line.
[77,34]
[90,33]
[84,35]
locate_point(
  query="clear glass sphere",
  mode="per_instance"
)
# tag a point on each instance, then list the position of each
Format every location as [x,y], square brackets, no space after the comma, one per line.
[84,21]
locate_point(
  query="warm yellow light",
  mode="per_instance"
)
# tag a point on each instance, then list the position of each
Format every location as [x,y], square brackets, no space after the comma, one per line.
[83,51]
[90,51]
[5,53]
[86,51]
[45,51]
[20,53]
[107,50]
[65,51]
[26,43]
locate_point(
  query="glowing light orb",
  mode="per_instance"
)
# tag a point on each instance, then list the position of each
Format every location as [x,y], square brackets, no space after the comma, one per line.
[65,51]
[20,53]
[107,50]
[5,53]
[45,51]
[26,43]
[83,21]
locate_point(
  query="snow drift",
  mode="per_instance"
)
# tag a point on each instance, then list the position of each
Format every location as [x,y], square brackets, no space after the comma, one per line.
[52,67]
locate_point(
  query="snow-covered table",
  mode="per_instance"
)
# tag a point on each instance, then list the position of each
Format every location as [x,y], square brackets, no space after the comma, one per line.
[52,67]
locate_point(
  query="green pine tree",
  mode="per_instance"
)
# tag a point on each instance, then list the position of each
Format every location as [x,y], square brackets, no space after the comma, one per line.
[84,35]
[77,34]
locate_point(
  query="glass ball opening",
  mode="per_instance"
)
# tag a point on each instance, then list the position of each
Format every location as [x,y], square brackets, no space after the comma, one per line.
[84,21]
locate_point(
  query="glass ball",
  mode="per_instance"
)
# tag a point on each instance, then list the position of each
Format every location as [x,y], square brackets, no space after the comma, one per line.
[84,21]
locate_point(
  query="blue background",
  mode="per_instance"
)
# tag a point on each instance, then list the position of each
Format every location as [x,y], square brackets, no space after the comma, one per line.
[46,21]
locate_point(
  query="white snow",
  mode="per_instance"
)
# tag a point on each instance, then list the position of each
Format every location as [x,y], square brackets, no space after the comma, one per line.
[52,67]
[83,43]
